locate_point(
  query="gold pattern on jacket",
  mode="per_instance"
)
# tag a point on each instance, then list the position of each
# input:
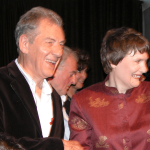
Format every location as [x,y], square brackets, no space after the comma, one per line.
[148,132]
[102,142]
[124,142]
[143,98]
[78,124]
[120,106]
[98,102]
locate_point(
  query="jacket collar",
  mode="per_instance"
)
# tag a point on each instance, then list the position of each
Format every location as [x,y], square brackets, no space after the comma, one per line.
[22,89]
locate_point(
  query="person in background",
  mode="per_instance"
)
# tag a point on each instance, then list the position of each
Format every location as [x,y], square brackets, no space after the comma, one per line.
[65,74]
[81,75]
[64,77]
[28,107]
[115,114]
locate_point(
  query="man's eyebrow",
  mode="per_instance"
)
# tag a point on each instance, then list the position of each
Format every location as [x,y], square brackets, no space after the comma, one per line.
[64,41]
[49,38]
[74,72]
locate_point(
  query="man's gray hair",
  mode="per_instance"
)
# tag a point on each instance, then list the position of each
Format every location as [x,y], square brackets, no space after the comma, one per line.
[30,21]
[66,53]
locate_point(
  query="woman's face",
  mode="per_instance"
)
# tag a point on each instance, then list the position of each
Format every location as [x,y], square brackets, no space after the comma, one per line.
[127,73]
[80,76]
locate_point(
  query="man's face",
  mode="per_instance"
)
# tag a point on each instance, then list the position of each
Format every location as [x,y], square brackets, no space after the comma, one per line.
[43,55]
[127,73]
[65,76]
[81,76]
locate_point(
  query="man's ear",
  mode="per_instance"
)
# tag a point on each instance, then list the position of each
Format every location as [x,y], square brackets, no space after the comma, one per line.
[23,43]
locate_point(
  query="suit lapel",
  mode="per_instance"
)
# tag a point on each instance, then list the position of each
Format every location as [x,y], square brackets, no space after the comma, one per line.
[58,123]
[22,89]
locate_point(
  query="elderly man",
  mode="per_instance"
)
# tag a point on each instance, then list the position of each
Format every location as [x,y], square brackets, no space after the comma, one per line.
[64,77]
[27,109]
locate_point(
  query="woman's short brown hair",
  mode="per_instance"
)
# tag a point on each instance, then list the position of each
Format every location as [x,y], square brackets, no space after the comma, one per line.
[117,43]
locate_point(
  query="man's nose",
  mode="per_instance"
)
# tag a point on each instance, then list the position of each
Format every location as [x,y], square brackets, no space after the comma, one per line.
[74,79]
[58,50]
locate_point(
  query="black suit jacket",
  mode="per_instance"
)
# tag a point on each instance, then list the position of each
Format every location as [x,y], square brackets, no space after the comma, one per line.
[19,116]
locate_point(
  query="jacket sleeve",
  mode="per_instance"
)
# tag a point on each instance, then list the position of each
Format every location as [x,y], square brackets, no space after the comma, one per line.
[79,127]
[41,143]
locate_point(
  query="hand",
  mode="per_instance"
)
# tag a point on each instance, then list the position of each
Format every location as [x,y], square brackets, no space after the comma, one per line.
[72,145]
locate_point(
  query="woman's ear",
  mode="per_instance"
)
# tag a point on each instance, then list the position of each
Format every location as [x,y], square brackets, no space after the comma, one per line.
[112,65]
[23,43]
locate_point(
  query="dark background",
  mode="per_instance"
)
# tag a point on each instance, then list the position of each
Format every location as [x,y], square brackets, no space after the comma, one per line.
[85,24]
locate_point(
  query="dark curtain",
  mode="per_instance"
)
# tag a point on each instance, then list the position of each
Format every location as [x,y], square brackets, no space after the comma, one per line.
[85,24]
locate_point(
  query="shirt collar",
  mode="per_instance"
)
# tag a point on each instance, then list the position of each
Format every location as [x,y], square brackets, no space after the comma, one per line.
[63,98]
[46,88]
[27,77]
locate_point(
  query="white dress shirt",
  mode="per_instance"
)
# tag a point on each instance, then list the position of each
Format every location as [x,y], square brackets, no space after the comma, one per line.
[43,104]
[66,119]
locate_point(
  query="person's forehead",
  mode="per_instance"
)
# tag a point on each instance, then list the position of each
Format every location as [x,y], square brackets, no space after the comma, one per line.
[138,54]
[51,32]
[70,68]
[47,24]
[70,65]
[71,59]
[133,52]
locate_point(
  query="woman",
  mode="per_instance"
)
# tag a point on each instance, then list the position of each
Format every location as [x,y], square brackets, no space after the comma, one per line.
[115,114]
